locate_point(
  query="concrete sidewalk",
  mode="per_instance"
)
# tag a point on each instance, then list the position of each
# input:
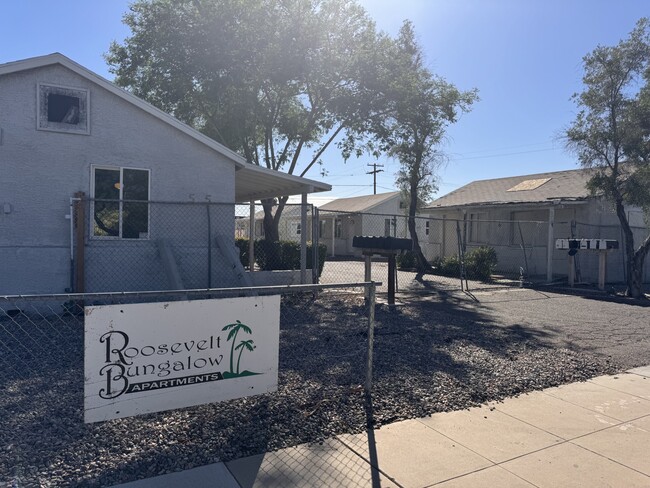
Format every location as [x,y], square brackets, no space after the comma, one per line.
[591,434]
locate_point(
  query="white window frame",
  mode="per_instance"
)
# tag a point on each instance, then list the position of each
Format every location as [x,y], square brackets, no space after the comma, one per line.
[427,227]
[92,206]
[338,228]
[44,124]
[295,228]
[477,221]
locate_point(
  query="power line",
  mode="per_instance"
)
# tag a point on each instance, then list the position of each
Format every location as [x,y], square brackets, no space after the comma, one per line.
[508,148]
[502,154]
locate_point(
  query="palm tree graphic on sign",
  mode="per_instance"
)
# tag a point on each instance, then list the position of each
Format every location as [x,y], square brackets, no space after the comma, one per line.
[248,344]
[241,346]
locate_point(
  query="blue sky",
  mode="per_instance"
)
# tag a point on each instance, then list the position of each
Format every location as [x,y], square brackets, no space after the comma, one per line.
[524,56]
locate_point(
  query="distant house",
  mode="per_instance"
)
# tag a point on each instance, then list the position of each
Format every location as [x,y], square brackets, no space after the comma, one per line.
[369,215]
[521,216]
[146,178]
[289,227]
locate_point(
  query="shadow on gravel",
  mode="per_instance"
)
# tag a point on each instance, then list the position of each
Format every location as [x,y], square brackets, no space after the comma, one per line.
[429,355]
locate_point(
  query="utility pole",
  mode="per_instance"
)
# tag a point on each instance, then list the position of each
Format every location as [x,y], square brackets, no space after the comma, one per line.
[374,175]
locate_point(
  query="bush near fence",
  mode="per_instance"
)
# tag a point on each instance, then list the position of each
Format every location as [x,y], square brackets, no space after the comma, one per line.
[280,255]
[480,264]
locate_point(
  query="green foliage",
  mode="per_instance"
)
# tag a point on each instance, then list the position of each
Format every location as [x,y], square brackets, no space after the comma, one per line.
[406,260]
[242,245]
[449,266]
[279,255]
[480,264]
[611,134]
[420,107]
[322,256]
[269,79]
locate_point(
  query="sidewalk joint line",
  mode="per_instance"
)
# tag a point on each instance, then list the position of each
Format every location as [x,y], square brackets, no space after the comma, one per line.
[610,459]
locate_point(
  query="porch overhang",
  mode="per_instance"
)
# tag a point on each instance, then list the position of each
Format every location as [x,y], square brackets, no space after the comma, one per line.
[255,183]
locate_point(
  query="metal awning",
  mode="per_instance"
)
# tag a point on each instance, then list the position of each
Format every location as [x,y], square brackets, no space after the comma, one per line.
[254,183]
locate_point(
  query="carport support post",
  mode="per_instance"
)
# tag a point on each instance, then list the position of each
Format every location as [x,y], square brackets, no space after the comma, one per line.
[572,270]
[549,245]
[303,240]
[251,238]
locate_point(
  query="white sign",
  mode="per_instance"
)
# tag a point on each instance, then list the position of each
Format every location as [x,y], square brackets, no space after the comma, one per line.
[151,357]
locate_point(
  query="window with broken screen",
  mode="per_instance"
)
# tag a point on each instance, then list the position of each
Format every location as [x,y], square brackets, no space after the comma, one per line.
[120,203]
[63,109]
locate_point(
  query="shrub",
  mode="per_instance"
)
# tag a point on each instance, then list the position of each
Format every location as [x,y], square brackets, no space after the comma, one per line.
[322,256]
[450,266]
[481,263]
[281,255]
[267,255]
[406,260]
[242,245]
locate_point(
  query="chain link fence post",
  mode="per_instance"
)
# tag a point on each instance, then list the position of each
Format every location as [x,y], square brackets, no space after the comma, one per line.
[371,291]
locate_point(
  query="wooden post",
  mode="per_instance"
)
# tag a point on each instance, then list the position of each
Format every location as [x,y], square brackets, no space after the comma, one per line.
[79,247]
[602,269]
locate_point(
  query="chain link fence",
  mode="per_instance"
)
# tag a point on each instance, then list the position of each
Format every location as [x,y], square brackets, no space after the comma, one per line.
[132,246]
[325,358]
[463,254]
[135,246]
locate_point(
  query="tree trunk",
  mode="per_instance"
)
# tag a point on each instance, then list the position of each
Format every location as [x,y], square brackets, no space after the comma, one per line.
[634,259]
[635,284]
[423,265]
[271,220]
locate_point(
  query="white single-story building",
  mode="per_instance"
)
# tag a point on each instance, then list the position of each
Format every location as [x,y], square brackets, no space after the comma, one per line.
[383,214]
[521,216]
[289,227]
[157,194]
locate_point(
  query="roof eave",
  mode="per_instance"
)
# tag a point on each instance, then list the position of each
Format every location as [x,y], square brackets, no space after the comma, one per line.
[539,203]
[58,58]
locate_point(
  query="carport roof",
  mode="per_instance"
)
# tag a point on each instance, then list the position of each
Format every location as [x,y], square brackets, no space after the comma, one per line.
[254,183]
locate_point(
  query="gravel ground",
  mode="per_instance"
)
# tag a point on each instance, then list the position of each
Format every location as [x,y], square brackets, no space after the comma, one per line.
[432,353]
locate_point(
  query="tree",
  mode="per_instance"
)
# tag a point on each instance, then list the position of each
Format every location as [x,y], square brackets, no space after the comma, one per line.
[611,135]
[278,81]
[422,105]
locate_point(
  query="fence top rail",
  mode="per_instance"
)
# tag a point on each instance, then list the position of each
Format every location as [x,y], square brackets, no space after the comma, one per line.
[423,216]
[197,291]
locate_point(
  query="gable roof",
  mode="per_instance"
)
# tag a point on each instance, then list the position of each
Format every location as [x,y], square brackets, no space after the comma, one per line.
[532,189]
[251,182]
[358,204]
